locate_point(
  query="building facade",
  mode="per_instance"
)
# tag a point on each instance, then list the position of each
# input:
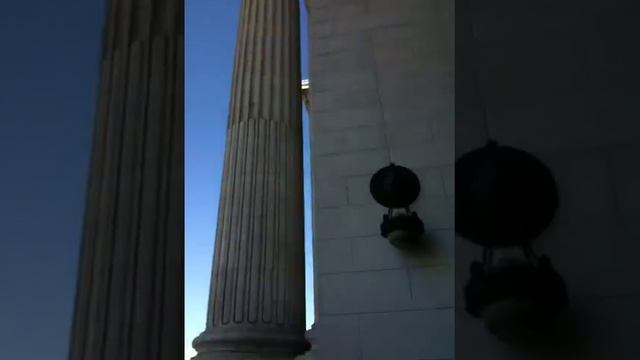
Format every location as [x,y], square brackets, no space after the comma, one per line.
[419,83]
[382,91]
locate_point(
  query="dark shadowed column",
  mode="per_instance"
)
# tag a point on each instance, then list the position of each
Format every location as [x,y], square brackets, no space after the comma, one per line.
[257,305]
[129,302]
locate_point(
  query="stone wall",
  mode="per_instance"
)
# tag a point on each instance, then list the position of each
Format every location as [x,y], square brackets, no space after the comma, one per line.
[381,91]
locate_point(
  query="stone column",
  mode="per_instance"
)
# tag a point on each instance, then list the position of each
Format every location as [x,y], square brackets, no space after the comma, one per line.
[257,301]
[129,302]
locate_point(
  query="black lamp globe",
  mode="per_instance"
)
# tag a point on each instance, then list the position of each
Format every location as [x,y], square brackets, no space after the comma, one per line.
[506,197]
[396,188]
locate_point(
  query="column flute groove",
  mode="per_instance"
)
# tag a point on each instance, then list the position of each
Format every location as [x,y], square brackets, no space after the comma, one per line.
[254,310]
[270,229]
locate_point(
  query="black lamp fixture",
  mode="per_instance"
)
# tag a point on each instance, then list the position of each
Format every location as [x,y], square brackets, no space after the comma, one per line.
[506,198]
[396,188]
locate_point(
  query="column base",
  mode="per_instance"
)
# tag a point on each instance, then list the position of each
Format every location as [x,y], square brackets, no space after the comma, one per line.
[248,344]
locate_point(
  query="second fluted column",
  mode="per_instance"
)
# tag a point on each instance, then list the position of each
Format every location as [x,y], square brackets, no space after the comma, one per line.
[257,304]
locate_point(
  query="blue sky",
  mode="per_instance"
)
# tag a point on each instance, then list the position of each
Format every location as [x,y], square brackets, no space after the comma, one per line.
[48,85]
[211,28]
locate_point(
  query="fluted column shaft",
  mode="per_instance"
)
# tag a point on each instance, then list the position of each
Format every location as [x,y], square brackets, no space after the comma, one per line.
[129,302]
[257,304]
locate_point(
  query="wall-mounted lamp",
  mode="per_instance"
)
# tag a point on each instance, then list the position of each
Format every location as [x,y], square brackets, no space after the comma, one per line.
[396,188]
[505,198]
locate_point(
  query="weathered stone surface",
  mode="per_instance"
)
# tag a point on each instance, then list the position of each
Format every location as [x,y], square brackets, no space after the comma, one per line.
[412,339]
[257,301]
